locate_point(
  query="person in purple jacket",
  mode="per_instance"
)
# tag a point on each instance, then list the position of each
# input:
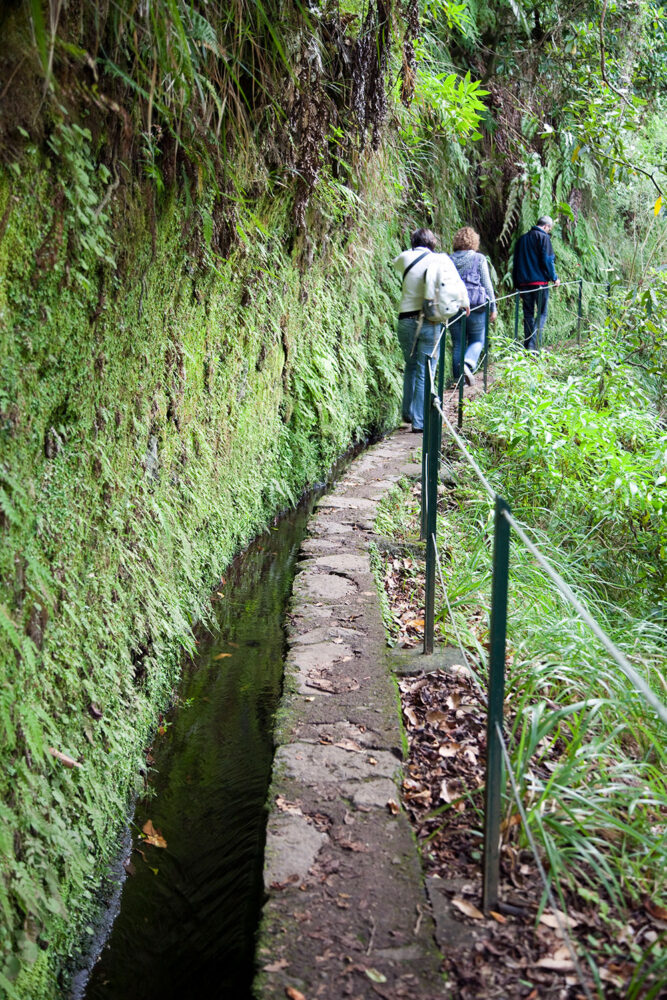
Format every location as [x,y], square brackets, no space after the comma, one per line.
[473,268]
[533,268]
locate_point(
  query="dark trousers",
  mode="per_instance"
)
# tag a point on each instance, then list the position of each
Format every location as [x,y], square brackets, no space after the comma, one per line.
[535,303]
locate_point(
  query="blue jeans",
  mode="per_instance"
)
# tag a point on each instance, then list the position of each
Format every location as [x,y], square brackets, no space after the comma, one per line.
[475,328]
[415,366]
[535,303]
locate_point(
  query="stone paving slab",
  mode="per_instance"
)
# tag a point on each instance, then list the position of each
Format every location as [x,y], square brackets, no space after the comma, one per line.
[346,912]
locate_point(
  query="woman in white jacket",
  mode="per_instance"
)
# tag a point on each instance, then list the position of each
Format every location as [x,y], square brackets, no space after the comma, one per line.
[411,265]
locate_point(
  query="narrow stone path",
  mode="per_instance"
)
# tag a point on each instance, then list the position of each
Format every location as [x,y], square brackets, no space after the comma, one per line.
[346,913]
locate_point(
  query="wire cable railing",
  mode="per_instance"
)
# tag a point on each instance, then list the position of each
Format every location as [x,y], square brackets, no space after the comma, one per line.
[461,318]
[497,751]
[564,589]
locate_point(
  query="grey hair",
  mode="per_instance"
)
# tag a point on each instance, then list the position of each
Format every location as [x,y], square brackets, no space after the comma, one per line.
[545,220]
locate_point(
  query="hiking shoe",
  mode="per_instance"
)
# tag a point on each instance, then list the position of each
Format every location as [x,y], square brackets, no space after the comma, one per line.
[468,375]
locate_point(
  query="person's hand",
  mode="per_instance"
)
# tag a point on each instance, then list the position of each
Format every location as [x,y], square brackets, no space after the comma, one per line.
[556,282]
[467,310]
[493,317]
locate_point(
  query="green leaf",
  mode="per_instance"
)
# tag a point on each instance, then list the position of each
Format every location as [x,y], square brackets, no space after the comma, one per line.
[37,17]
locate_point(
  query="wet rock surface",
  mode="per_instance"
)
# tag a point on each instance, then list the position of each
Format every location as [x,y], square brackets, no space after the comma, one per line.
[346,913]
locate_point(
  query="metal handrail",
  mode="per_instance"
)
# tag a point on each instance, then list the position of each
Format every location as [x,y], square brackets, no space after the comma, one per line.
[434,417]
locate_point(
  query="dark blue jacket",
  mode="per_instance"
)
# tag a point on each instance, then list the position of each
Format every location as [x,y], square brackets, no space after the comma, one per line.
[534,259]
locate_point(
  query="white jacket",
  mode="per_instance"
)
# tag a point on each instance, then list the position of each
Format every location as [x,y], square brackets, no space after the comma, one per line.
[414,290]
[413,286]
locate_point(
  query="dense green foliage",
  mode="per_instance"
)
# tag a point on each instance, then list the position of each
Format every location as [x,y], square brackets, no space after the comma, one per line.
[572,442]
[198,204]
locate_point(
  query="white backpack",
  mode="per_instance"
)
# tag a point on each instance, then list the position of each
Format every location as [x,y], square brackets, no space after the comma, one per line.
[444,292]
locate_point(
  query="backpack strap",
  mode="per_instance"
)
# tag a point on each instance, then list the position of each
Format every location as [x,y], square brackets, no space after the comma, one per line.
[418,330]
[412,264]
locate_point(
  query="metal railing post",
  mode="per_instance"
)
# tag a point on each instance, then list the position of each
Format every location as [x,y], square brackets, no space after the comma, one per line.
[461,379]
[516,316]
[487,312]
[579,309]
[434,436]
[494,758]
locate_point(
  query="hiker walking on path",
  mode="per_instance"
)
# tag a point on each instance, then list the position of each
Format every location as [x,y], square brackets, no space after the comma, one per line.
[474,271]
[417,337]
[533,268]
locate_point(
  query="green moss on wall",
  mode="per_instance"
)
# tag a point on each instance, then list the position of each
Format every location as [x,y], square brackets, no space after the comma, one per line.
[153,416]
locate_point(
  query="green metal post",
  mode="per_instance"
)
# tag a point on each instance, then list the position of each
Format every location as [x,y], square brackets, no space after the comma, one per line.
[434,436]
[579,309]
[494,757]
[516,316]
[487,312]
[461,379]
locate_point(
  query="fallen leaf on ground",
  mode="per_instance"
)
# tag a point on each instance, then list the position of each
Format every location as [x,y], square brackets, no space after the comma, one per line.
[63,758]
[552,920]
[498,917]
[393,807]
[415,623]
[153,836]
[655,910]
[294,994]
[352,845]
[511,821]
[468,908]
[375,976]
[435,717]
[282,963]
[411,716]
[451,790]
[221,656]
[349,745]
[321,684]
[279,886]
[288,807]
[555,964]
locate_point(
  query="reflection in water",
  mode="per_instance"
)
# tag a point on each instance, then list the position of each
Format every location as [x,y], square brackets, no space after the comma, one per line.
[189,911]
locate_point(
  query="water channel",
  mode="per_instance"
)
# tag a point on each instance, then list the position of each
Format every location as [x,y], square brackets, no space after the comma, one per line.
[189,911]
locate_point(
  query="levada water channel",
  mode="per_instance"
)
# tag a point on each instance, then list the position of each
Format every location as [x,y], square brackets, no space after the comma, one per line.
[189,910]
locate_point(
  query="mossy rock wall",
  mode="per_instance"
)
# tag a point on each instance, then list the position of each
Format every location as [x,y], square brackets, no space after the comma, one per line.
[153,417]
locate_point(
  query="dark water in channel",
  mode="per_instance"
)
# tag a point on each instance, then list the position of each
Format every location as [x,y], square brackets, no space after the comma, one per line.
[189,912]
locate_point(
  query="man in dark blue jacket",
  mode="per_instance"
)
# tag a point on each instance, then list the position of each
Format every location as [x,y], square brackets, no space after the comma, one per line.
[534,267]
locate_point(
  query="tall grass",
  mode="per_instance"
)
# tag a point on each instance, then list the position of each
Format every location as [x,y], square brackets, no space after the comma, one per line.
[587,752]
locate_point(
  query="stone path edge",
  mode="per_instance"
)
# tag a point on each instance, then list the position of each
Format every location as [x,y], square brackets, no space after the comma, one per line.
[345,912]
